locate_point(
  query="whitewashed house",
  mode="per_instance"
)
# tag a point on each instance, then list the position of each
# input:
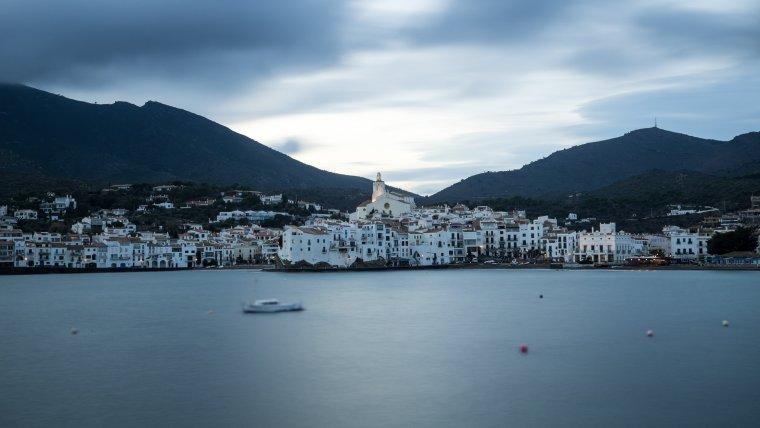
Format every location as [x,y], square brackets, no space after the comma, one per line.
[271,199]
[63,203]
[25,214]
[597,246]
[560,245]
[686,245]
[164,205]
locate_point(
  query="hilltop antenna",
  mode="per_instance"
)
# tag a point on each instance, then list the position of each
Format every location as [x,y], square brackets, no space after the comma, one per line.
[655,121]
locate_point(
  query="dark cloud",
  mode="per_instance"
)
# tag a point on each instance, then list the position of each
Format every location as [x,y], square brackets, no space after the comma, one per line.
[592,36]
[515,79]
[490,21]
[217,42]
[695,32]
[718,110]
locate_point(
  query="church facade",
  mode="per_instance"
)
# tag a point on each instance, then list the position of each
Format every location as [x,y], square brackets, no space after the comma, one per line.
[384,203]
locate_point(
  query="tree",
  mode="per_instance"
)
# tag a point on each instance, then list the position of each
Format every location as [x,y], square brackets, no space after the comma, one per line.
[741,239]
[58,227]
[657,253]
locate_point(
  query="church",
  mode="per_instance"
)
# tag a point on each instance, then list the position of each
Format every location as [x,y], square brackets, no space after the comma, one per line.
[384,203]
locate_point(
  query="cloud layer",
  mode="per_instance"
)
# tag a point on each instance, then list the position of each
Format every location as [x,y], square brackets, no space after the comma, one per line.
[429,91]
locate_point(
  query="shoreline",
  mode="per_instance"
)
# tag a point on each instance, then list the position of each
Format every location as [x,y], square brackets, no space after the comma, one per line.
[546,266]
[270,268]
[10,271]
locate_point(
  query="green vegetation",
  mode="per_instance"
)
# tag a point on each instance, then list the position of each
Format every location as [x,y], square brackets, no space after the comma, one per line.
[91,200]
[125,143]
[591,166]
[640,203]
[741,239]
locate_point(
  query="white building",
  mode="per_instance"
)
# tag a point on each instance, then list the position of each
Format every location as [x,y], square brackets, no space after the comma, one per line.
[658,242]
[254,216]
[62,203]
[597,246]
[271,199]
[308,244]
[25,214]
[383,203]
[686,245]
[530,233]
[606,245]
[560,245]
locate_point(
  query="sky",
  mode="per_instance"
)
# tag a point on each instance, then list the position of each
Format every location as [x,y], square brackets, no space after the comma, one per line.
[428,92]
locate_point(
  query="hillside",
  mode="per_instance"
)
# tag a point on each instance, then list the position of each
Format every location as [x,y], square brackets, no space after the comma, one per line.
[594,165]
[46,138]
[649,194]
[683,187]
[640,203]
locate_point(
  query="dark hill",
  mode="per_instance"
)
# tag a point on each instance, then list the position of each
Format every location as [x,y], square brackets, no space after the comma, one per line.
[683,187]
[46,137]
[640,203]
[654,190]
[595,165]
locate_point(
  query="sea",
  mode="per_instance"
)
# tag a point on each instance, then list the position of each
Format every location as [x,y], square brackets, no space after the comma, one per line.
[437,348]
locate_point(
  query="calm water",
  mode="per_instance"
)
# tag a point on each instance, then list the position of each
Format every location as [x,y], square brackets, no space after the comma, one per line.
[428,348]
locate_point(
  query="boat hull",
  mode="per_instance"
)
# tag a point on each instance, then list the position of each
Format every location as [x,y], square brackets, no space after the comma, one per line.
[268,309]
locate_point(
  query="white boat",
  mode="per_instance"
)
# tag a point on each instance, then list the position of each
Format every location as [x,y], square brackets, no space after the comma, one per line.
[271,305]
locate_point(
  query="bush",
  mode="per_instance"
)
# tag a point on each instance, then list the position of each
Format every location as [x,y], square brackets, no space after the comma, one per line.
[741,239]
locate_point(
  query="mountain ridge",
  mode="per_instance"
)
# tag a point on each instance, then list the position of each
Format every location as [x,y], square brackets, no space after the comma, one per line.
[51,136]
[48,138]
[593,165]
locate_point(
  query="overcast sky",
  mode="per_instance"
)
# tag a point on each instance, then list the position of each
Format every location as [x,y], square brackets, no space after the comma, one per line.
[428,92]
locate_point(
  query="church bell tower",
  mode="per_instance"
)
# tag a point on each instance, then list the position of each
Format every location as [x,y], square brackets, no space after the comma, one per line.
[378,188]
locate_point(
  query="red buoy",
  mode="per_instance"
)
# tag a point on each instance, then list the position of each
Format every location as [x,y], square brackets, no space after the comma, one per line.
[524,348]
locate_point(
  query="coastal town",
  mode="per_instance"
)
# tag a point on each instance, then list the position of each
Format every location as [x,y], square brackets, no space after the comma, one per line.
[387,230]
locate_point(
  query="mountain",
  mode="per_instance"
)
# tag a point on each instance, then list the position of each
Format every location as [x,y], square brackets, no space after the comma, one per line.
[47,138]
[683,187]
[595,165]
[640,203]
[651,192]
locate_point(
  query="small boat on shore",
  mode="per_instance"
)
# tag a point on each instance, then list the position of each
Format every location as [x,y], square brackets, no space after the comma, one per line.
[271,306]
